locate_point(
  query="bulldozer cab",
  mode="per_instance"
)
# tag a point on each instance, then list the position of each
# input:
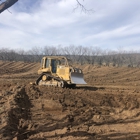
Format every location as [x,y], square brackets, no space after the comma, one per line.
[45,63]
[52,63]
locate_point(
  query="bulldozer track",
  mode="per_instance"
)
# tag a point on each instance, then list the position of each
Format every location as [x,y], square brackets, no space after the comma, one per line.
[63,82]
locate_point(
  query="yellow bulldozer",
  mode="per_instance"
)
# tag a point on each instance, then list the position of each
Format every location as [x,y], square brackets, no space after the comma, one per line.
[56,71]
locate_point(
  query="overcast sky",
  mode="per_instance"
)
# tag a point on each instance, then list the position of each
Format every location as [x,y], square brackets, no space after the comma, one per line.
[113,24]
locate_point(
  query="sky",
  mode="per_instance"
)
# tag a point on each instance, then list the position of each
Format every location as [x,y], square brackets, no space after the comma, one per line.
[107,24]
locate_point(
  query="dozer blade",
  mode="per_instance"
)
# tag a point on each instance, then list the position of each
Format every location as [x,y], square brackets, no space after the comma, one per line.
[77,78]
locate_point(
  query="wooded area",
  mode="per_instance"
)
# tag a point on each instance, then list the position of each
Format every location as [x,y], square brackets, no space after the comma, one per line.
[78,54]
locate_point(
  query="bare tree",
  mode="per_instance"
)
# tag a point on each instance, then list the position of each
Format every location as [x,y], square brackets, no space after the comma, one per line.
[51,50]
[36,53]
[8,3]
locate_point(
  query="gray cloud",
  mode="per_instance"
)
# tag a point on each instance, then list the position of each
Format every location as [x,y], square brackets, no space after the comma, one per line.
[53,22]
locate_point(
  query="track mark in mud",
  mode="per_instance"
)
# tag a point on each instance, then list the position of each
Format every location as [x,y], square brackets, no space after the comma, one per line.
[18,115]
[49,112]
[110,109]
[78,111]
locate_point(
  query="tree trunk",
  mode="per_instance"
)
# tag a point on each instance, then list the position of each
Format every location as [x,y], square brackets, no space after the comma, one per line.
[5,5]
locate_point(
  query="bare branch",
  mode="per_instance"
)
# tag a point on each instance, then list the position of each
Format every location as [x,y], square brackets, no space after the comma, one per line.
[8,3]
[83,8]
[5,5]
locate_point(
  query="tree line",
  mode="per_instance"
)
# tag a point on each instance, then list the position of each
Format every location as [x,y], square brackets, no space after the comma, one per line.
[77,54]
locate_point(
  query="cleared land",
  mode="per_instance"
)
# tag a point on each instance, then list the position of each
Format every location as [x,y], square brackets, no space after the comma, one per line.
[107,108]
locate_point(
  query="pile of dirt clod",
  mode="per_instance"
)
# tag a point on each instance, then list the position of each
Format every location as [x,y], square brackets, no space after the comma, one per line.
[15,113]
[40,113]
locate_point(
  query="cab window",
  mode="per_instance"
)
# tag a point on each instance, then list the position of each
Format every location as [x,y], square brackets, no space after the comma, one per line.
[54,64]
[47,63]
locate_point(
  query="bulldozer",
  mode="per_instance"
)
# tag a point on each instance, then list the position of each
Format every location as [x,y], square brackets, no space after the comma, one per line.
[56,71]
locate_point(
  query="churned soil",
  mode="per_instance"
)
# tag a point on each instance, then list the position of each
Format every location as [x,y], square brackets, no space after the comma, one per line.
[107,108]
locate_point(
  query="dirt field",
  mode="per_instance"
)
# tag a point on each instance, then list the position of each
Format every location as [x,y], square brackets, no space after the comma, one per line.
[108,108]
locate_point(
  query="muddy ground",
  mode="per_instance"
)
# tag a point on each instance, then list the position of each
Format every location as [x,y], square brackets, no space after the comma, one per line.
[108,108]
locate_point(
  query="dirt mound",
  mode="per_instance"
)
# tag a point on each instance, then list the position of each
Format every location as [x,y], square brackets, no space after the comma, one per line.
[107,109]
[33,112]
[18,68]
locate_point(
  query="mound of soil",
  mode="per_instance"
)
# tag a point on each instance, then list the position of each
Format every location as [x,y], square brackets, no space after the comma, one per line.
[107,108]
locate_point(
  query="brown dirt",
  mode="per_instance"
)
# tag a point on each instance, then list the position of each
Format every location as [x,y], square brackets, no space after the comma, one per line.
[107,108]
